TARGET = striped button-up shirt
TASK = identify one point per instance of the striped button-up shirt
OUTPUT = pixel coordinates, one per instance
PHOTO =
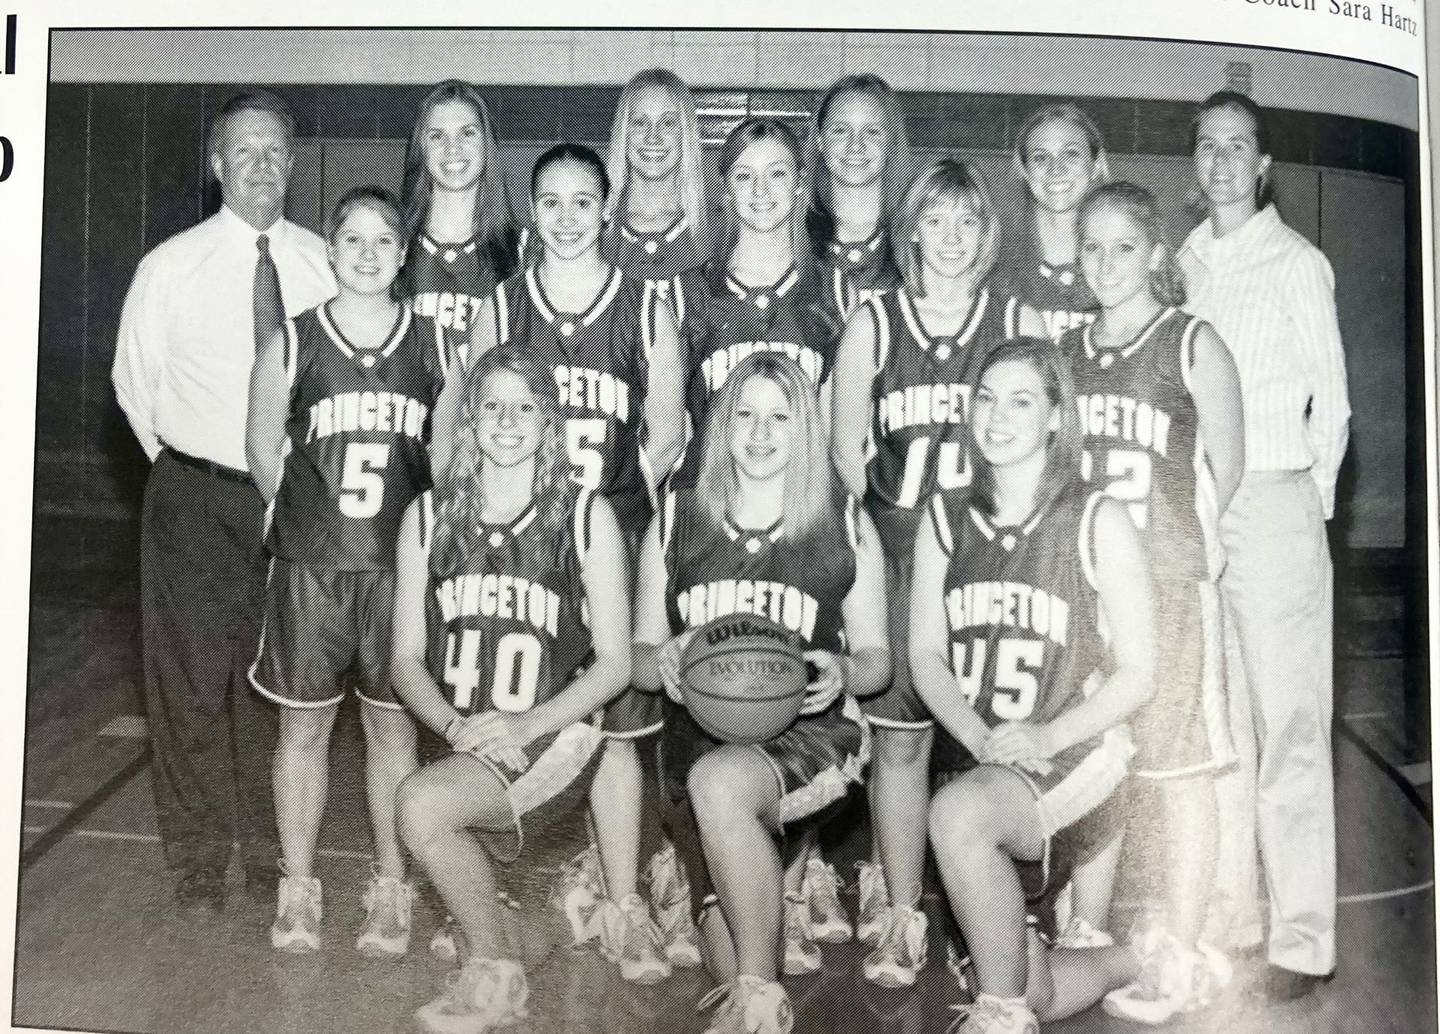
(1270, 294)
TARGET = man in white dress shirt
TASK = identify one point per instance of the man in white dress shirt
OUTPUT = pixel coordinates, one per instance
(187, 339)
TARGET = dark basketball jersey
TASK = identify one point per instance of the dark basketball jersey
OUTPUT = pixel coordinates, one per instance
(790, 317)
(920, 413)
(712, 571)
(602, 367)
(356, 440)
(850, 273)
(1142, 440)
(509, 630)
(1022, 610)
(673, 262)
(1058, 293)
(450, 282)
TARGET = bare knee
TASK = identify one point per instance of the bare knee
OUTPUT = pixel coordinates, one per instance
(902, 748)
(717, 784)
(962, 815)
(305, 729)
(387, 731)
(418, 810)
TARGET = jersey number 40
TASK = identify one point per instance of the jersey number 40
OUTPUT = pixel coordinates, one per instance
(516, 670)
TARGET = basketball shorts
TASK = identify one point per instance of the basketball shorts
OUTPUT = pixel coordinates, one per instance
(1070, 791)
(816, 762)
(634, 713)
(899, 706)
(548, 799)
(1183, 730)
(321, 625)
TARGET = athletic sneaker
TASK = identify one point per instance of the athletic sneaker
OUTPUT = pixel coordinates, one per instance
(900, 955)
(297, 915)
(482, 995)
(802, 954)
(749, 1005)
(1173, 979)
(874, 902)
(445, 942)
(1080, 934)
(670, 901)
(821, 887)
(631, 938)
(578, 895)
(386, 931)
(991, 1015)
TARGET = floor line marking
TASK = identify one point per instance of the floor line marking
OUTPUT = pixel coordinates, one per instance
(1365, 716)
(152, 838)
(1382, 895)
(40, 802)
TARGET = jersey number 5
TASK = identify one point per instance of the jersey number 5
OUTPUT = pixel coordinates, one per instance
(362, 485)
(584, 438)
(1015, 686)
(517, 670)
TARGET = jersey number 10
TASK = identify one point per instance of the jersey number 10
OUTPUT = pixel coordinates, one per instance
(517, 670)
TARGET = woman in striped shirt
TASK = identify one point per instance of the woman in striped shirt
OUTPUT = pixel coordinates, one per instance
(1270, 294)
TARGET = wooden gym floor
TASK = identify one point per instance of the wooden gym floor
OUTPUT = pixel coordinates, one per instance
(100, 948)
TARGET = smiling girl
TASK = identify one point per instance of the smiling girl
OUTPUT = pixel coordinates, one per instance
(1014, 576)
(339, 417)
(506, 694)
(459, 227)
(766, 509)
(1059, 155)
(1175, 464)
(902, 405)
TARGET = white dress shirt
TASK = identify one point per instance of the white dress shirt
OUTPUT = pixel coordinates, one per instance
(187, 337)
(1270, 294)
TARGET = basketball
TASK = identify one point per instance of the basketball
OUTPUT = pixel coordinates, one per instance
(743, 678)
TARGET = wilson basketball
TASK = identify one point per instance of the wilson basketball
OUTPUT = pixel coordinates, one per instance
(743, 678)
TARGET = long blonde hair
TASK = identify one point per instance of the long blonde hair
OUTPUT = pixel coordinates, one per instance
(691, 177)
(810, 482)
(459, 492)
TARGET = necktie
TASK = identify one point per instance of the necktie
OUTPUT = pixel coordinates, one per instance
(269, 309)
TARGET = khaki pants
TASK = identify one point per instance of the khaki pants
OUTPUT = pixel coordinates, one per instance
(1278, 587)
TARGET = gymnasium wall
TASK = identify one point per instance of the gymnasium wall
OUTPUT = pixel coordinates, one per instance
(125, 169)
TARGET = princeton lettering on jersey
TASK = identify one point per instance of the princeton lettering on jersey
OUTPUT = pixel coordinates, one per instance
(1010, 604)
(452, 311)
(716, 366)
(783, 604)
(594, 391)
(385, 411)
(1058, 321)
(922, 404)
(500, 596)
(1117, 416)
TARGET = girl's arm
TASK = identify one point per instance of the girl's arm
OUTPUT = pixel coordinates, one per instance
(656, 654)
(866, 669)
(410, 675)
(930, 644)
(265, 421)
(1215, 386)
(852, 382)
(665, 395)
(447, 405)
